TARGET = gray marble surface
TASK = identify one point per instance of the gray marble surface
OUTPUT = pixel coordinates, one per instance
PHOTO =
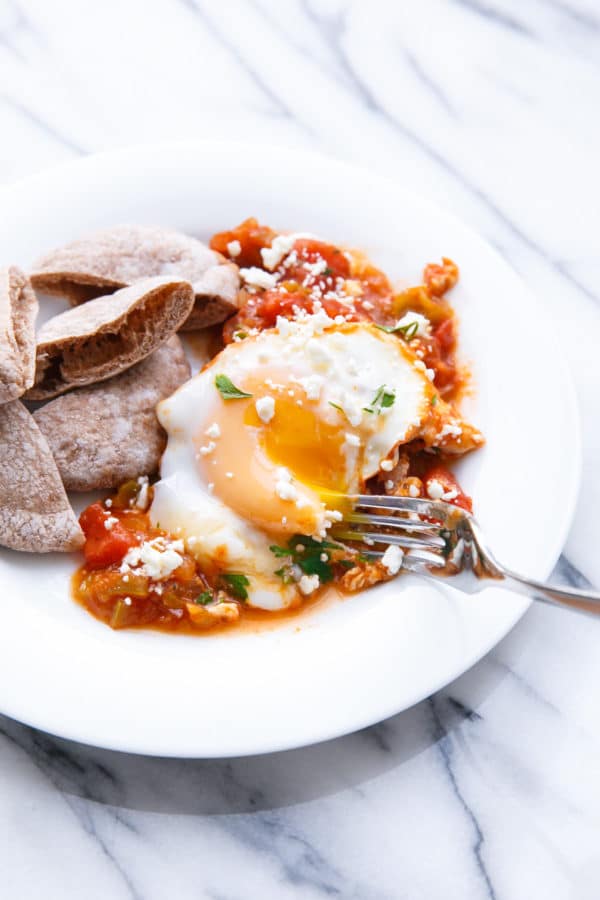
(491, 788)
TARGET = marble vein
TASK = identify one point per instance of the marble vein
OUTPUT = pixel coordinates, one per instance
(444, 745)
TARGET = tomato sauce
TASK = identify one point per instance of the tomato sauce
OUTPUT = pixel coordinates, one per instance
(350, 286)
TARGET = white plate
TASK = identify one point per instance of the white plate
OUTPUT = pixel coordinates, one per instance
(354, 662)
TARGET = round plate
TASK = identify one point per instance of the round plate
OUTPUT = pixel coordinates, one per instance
(355, 661)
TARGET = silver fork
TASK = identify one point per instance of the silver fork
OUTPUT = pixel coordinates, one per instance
(441, 540)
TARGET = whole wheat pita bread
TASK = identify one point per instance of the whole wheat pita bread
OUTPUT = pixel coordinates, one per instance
(120, 256)
(106, 434)
(18, 309)
(108, 335)
(35, 514)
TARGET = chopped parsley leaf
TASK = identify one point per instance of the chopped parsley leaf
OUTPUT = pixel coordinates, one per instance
(407, 331)
(204, 598)
(383, 399)
(434, 400)
(236, 584)
(227, 388)
(336, 406)
(279, 551)
(305, 552)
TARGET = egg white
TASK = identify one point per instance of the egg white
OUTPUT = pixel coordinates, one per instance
(322, 372)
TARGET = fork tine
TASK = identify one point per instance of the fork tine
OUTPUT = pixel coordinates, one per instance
(390, 521)
(414, 561)
(432, 508)
(425, 542)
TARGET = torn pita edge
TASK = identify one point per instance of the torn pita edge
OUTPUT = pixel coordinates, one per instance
(18, 311)
(106, 336)
(35, 513)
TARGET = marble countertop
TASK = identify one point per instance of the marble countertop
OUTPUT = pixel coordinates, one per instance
(491, 788)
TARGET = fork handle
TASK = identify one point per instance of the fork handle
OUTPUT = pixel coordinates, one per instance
(586, 601)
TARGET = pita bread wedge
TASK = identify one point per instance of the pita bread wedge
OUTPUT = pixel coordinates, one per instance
(35, 514)
(18, 309)
(108, 335)
(120, 256)
(106, 434)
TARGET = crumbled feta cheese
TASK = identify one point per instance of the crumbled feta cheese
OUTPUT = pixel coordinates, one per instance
(308, 584)
(207, 449)
(127, 601)
(108, 503)
(450, 495)
(228, 474)
(367, 305)
(284, 488)
(155, 559)
(392, 559)
(389, 485)
(420, 365)
(213, 431)
(430, 373)
(312, 385)
(352, 440)
(265, 407)
(234, 248)
(316, 268)
(258, 277)
(450, 429)
(410, 318)
(386, 465)
(109, 522)
(413, 490)
(435, 490)
(279, 249)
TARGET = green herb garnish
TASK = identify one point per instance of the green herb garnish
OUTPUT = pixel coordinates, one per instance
(279, 551)
(407, 331)
(305, 552)
(236, 584)
(240, 334)
(204, 598)
(227, 388)
(336, 406)
(383, 399)
(434, 400)
(327, 271)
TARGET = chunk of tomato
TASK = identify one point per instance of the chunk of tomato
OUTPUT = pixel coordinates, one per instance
(311, 251)
(104, 546)
(251, 236)
(449, 484)
(439, 279)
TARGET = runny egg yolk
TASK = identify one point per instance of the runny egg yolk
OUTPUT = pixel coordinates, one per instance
(252, 461)
(303, 443)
